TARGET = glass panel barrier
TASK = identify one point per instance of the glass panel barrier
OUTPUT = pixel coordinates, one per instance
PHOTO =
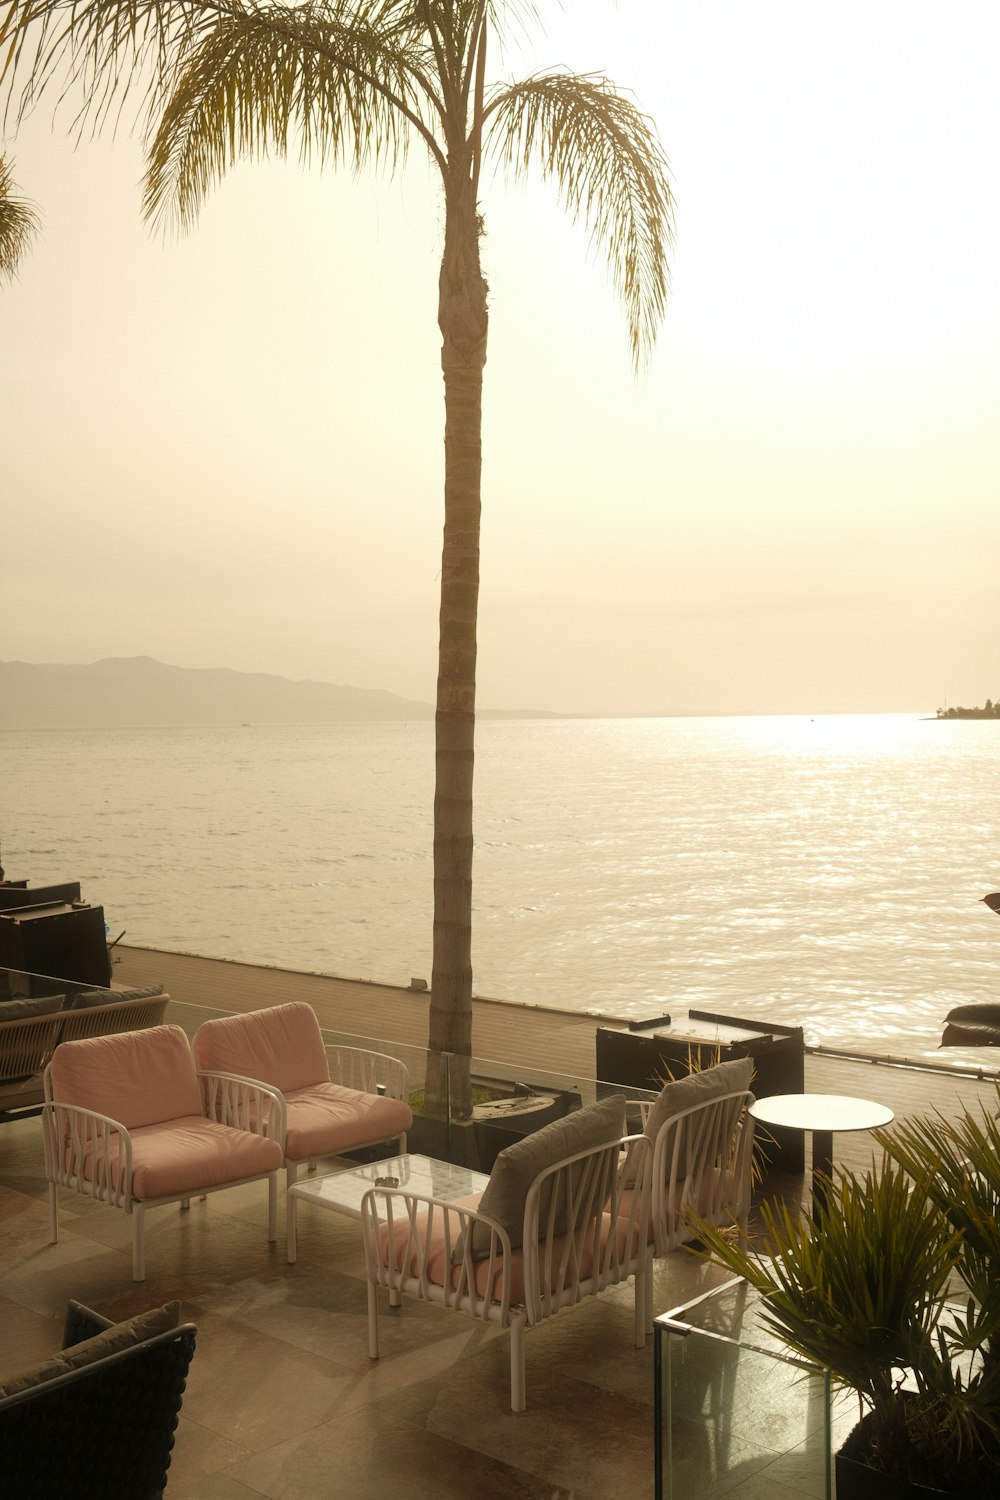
(735, 1413)
(509, 1102)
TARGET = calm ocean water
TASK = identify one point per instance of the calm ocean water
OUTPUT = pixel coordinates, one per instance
(824, 872)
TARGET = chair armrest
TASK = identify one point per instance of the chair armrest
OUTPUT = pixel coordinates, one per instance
(431, 1250)
(635, 1167)
(88, 1151)
(368, 1072)
(244, 1104)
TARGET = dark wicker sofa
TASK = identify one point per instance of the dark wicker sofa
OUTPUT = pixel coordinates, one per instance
(97, 1422)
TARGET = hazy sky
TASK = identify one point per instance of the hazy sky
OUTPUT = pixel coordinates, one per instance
(227, 450)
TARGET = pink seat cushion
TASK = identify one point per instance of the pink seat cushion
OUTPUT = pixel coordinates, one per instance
(679, 1200)
(281, 1046)
(326, 1117)
(136, 1077)
(625, 1208)
(190, 1155)
(438, 1265)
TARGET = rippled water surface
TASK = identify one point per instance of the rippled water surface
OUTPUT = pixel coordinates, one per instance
(824, 872)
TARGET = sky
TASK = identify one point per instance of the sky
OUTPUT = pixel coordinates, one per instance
(226, 450)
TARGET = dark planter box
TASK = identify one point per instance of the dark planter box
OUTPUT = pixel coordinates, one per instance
(856, 1480)
(477, 1143)
(643, 1057)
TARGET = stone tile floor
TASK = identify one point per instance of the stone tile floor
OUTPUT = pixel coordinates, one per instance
(282, 1398)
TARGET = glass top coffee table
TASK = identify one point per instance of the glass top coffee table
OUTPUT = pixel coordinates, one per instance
(823, 1114)
(342, 1192)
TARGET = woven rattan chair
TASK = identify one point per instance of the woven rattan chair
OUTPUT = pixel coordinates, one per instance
(103, 1431)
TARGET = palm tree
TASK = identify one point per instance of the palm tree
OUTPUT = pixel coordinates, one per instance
(18, 225)
(356, 82)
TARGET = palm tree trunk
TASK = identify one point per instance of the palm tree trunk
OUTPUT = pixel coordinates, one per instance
(462, 318)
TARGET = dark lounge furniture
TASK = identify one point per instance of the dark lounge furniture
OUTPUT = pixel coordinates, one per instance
(32, 1027)
(97, 1421)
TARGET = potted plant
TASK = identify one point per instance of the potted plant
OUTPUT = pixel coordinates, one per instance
(896, 1291)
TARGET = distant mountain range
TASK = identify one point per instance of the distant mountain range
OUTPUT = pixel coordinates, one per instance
(138, 692)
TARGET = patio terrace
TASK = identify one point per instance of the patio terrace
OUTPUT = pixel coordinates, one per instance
(282, 1399)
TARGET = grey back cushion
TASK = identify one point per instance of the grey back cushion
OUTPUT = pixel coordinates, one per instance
(83, 999)
(694, 1089)
(517, 1167)
(23, 1010)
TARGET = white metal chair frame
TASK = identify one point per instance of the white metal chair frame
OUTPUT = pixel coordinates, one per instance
(702, 1160)
(350, 1068)
(355, 1068)
(587, 1184)
(92, 1153)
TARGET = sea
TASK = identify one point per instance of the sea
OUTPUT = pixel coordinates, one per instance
(826, 872)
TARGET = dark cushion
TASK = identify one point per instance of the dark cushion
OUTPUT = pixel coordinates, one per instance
(83, 999)
(23, 1010)
(119, 1336)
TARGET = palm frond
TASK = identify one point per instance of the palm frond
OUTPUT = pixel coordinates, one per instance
(609, 169)
(18, 225)
(108, 52)
(863, 1293)
(287, 78)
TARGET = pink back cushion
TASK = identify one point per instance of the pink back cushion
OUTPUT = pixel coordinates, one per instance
(281, 1046)
(136, 1077)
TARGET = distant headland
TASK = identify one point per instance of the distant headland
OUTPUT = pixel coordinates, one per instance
(989, 710)
(137, 692)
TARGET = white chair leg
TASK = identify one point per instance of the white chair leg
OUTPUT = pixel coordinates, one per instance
(53, 1214)
(291, 1172)
(138, 1243)
(372, 1320)
(517, 1385)
(402, 1144)
(185, 1204)
(312, 1164)
(272, 1207)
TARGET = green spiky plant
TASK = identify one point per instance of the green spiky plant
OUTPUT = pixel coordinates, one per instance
(355, 83)
(869, 1293)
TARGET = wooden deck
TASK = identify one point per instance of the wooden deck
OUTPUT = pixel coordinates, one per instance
(524, 1036)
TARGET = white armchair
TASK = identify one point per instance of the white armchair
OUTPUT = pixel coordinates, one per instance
(574, 1233)
(124, 1122)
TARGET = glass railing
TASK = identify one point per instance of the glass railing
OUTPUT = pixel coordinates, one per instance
(733, 1408)
(508, 1102)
